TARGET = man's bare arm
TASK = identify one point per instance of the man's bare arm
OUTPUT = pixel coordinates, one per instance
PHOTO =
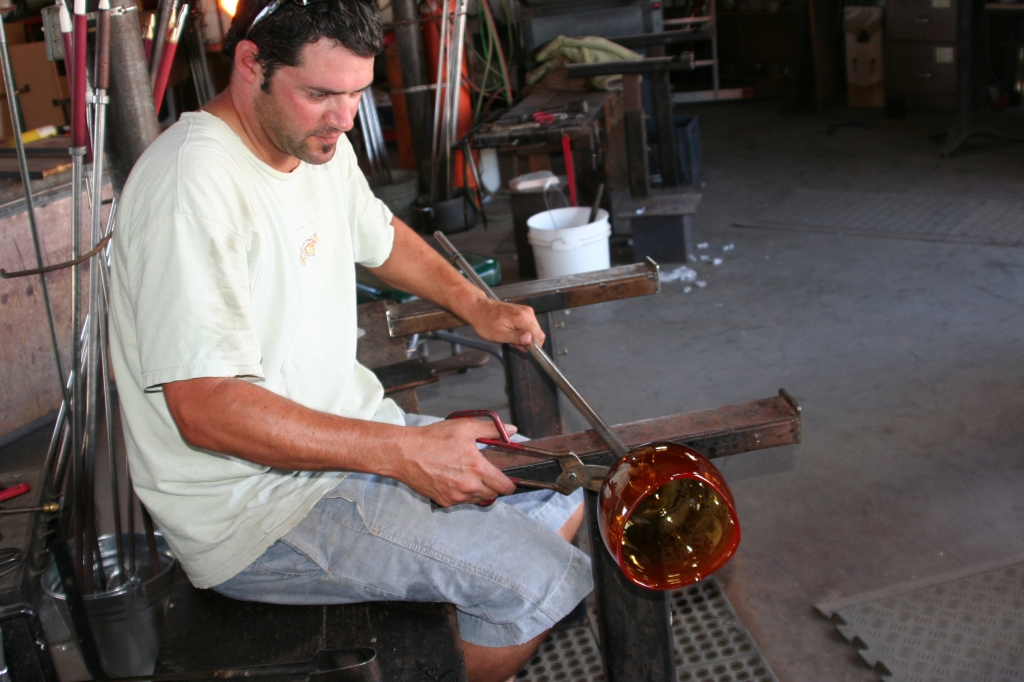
(235, 417)
(418, 269)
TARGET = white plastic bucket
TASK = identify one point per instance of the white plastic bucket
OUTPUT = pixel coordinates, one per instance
(564, 243)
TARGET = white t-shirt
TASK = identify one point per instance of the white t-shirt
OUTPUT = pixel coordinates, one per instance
(225, 267)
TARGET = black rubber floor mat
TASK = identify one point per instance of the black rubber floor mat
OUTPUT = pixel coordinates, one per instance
(711, 645)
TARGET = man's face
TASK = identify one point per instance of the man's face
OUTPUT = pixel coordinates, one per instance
(309, 106)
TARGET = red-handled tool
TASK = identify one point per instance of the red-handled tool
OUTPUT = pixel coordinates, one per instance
(547, 118)
(575, 474)
(14, 491)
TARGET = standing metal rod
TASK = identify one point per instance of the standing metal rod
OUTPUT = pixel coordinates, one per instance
(53, 465)
(63, 458)
(382, 148)
(56, 438)
(435, 153)
(79, 138)
(372, 123)
(115, 489)
(610, 438)
(77, 382)
(199, 64)
(370, 140)
(97, 270)
(454, 91)
(14, 104)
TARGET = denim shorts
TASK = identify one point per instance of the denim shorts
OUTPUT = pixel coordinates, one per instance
(371, 538)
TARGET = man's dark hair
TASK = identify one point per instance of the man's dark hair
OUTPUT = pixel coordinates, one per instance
(279, 36)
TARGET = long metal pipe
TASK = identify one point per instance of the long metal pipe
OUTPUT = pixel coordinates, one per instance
(53, 465)
(373, 151)
(610, 438)
(454, 91)
(199, 64)
(63, 455)
(439, 94)
(98, 378)
(77, 383)
(14, 105)
(383, 165)
(79, 137)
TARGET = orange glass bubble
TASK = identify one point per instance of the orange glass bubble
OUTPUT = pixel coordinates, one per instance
(667, 516)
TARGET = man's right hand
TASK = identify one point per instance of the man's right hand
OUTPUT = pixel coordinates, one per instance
(442, 462)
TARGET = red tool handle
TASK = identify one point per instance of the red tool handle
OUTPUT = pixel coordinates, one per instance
(164, 74)
(504, 442)
(570, 168)
(14, 491)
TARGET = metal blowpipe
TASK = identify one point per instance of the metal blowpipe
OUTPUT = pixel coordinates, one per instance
(609, 437)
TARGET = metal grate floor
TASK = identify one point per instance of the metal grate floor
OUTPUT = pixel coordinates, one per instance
(710, 642)
(901, 216)
(966, 626)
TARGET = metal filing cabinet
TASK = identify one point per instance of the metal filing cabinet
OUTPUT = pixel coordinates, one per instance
(922, 53)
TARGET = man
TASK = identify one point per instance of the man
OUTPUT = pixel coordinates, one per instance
(234, 334)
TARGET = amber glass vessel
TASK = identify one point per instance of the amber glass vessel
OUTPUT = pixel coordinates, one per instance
(667, 516)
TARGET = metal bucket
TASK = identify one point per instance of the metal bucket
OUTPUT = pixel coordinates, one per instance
(126, 622)
(450, 216)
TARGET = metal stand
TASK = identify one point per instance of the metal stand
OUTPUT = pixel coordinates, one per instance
(633, 623)
(963, 128)
(657, 68)
(532, 395)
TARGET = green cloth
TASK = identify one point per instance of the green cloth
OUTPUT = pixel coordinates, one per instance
(584, 50)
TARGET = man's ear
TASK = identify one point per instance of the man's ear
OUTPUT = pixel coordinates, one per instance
(246, 64)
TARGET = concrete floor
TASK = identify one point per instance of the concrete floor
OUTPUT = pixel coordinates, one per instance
(905, 355)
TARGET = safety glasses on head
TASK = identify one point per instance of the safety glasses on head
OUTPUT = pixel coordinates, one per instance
(275, 5)
(269, 9)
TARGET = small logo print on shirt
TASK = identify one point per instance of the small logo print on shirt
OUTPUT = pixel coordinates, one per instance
(308, 250)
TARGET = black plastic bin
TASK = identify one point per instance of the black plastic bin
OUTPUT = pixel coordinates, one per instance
(687, 149)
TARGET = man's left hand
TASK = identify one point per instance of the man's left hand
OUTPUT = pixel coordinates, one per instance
(502, 322)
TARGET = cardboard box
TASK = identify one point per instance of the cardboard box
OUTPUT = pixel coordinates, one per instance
(33, 71)
(865, 78)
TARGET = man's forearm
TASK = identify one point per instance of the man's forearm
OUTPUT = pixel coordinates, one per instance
(235, 417)
(415, 267)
